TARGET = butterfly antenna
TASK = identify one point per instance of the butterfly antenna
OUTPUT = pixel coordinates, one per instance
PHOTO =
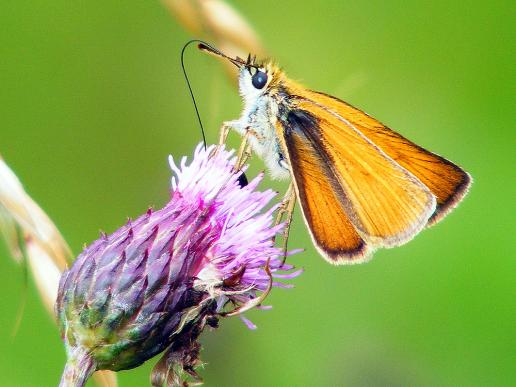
(190, 87)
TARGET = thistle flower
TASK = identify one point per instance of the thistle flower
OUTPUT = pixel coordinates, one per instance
(156, 282)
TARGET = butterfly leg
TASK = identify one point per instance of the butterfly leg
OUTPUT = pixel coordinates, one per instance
(244, 152)
(286, 208)
(286, 231)
(224, 131)
(223, 135)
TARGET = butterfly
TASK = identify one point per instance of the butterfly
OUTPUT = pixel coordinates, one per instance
(360, 185)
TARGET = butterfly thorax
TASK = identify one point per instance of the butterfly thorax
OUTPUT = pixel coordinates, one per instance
(258, 122)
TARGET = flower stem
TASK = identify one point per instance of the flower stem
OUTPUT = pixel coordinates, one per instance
(78, 368)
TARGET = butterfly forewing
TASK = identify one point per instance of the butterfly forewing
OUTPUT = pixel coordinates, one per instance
(385, 203)
(448, 182)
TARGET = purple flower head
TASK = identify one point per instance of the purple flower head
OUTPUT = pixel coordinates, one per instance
(156, 282)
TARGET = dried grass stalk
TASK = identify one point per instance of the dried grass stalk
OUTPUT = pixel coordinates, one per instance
(220, 24)
(18, 209)
(30, 233)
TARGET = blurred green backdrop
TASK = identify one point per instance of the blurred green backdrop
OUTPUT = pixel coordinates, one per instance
(92, 101)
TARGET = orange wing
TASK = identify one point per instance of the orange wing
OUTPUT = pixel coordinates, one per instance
(448, 182)
(386, 205)
(319, 194)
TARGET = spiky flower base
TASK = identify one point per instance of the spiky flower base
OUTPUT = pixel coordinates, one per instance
(155, 283)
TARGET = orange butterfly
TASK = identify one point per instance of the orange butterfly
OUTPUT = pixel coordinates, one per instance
(361, 185)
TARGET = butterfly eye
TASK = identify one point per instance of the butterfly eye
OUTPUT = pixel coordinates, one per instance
(259, 79)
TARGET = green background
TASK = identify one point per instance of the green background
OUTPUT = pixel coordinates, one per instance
(92, 101)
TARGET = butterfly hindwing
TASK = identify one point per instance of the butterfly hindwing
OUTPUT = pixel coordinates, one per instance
(319, 195)
(386, 204)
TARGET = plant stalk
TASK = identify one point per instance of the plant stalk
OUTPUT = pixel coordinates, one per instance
(78, 368)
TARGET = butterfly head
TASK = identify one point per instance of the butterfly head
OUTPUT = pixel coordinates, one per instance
(256, 78)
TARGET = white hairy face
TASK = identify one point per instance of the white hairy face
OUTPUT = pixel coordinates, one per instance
(248, 90)
(258, 119)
